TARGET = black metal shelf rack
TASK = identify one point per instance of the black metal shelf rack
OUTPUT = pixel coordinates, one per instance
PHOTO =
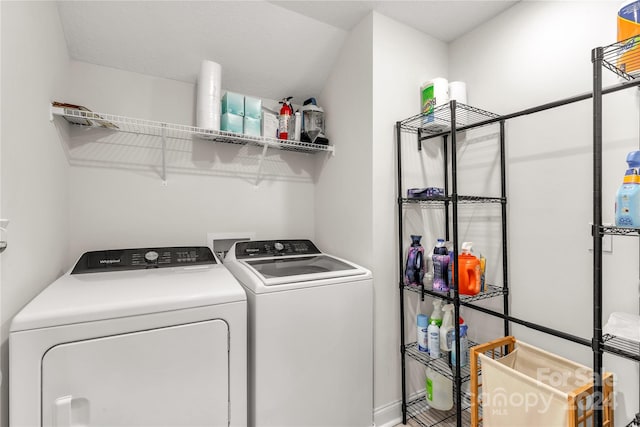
(623, 59)
(445, 122)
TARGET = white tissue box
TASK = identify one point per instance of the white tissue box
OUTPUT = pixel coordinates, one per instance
(251, 126)
(269, 123)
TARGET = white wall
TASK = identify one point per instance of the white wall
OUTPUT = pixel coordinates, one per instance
(117, 198)
(343, 191)
(34, 185)
(533, 53)
(403, 59)
(113, 195)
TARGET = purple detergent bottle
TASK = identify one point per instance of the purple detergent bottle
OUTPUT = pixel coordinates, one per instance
(414, 271)
(440, 267)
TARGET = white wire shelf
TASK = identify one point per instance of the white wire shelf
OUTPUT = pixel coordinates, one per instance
(177, 131)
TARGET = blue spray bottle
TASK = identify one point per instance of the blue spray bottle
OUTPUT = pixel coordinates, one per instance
(628, 195)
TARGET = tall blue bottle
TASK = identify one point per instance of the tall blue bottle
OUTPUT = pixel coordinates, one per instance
(628, 195)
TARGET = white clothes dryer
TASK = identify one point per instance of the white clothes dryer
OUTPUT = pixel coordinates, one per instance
(132, 337)
(310, 335)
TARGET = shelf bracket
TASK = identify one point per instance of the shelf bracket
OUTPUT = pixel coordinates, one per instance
(264, 153)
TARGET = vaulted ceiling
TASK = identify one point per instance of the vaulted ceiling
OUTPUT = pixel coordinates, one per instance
(269, 49)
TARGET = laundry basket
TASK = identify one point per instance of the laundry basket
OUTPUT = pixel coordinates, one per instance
(522, 385)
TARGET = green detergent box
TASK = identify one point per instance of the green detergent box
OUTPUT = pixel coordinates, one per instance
(233, 103)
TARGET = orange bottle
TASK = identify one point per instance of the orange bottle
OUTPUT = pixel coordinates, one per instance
(469, 271)
(629, 31)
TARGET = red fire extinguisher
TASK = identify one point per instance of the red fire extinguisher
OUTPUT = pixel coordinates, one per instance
(285, 115)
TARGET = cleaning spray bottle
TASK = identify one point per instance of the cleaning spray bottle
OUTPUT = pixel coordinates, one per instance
(628, 195)
(437, 312)
(414, 270)
(433, 340)
(440, 265)
(464, 347)
(447, 328)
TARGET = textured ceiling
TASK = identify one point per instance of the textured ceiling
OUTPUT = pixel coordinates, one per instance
(267, 49)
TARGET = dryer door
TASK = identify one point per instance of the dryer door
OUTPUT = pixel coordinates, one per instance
(174, 376)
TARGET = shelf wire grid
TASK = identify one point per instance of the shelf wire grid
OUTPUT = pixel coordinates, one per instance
(440, 119)
(176, 131)
(620, 231)
(622, 347)
(490, 291)
(439, 364)
(419, 412)
(438, 201)
(623, 58)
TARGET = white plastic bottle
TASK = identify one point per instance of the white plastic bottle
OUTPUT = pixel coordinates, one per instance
(437, 312)
(439, 391)
(464, 348)
(422, 326)
(446, 328)
(433, 333)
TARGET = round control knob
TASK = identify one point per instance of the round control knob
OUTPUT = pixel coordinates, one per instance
(151, 256)
(279, 246)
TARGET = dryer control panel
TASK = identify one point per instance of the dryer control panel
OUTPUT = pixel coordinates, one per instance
(142, 258)
(270, 248)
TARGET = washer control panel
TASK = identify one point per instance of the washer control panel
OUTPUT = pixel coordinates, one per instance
(142, 258)
(270, 248)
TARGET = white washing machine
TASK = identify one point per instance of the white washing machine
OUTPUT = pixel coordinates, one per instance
(132, 337)
(310, 335)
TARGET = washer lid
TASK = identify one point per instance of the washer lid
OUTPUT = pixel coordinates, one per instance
(81, 298)
(301, 268)
(288, 263)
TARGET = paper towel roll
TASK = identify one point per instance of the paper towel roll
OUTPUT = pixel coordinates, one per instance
(458, 91)
(208, 95)
(441, 90)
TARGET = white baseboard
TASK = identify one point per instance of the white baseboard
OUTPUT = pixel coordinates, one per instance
(388, 415)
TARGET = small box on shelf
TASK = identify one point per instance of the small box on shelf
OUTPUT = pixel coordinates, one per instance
(231, 123)
(251, 126)
(252, 107)
(233, 103)
(269, 123)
